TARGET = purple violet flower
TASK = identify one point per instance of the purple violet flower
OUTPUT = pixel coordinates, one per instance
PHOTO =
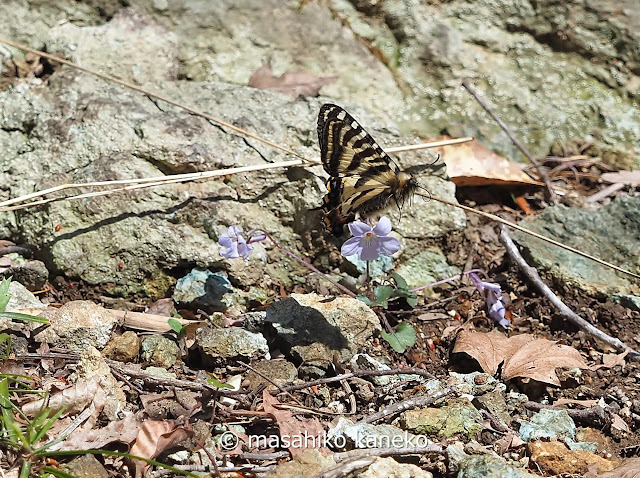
(495, 301)
(369, 242)
(233, 244)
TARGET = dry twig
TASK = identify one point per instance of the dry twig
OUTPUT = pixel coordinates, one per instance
(551, 194)
(532, 275)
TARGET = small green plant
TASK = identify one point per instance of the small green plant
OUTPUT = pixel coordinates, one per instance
(403, 338)
(217, 383)
(176, 326)
(22, 440)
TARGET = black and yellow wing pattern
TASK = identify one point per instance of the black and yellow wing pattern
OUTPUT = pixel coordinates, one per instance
(363, 178)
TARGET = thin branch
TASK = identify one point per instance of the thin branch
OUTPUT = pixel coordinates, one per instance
(408, 404)
(493, 217)
(427, 145)
(533, 276)
(552, 195)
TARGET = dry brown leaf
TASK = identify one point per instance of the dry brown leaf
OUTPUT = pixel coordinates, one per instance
(161, 307)
(154, 437)
(121, 431)
(611, 360)
(73, 399)
(294, 83)
(294, 429)
(471, 164)
(521, 355)
(489, 349)
(627, 177)
(539, 359)
(629, 469)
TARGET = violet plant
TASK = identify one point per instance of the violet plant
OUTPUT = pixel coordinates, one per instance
(368, 243)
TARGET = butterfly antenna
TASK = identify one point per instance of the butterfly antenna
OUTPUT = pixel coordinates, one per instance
(436, 160)
(425, 190)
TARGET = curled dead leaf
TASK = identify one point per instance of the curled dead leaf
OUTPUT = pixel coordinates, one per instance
(472, 164)
(154, 437)
(521, 355)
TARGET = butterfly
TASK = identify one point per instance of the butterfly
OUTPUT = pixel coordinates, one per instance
(363, 179)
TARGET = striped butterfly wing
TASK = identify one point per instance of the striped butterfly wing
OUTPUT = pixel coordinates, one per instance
(363, 178)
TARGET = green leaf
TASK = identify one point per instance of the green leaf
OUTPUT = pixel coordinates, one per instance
(400, 282)
(403, 338)
(217, 383)
(4, 293)
(5, 346)
(24, 317)
(175, 325)
(366, 300)
(412, 301)
(382, 294)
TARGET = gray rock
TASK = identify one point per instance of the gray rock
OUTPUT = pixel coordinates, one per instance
(278, 371)
(627, 300)
(315, 328)
(160, 351)
(203, 289)
(86, 465)
(21, 298)
(548, 423)
(32, 274)
(123, 348)
(609, 233)
(131, 46)
(78, 325)
(218, 346)
(458, 416)
(80, 129)
(490, 467)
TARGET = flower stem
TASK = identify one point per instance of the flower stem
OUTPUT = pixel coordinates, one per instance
(444, 281)
(302, 261)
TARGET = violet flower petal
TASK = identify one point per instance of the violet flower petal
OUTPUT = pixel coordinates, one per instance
(370, 247)
(234, 231)
(359, 228)
(383, 228)
(476, 281)
(388, 245)
(351, 247)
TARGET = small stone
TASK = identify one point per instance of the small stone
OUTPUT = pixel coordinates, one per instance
(490, 467)
(160, 351)
(555, 458)
(21, 298)
(388, 467)
(308, 463)
(203, 289)
(78, 325)
(279, 371)
(33, 274)
(217, 345)
(86, 466)
(459, 416)
(494, 403)
(321, 328)
(627, 300)
(548, 423)
(123, 348)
